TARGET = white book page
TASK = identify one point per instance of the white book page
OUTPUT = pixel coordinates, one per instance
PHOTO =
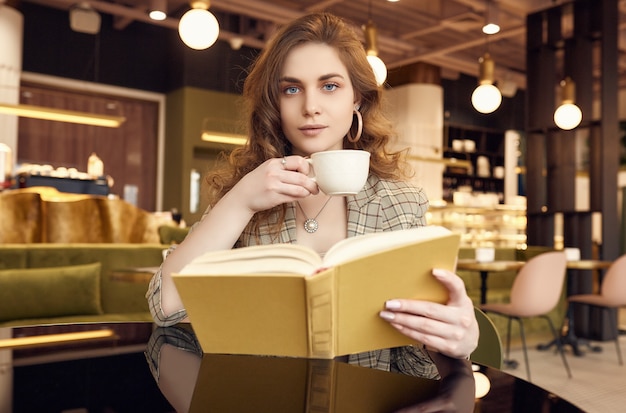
(275, 258)
(363, 245)
(293, 258)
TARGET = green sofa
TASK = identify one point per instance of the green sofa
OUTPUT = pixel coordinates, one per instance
(72, 282)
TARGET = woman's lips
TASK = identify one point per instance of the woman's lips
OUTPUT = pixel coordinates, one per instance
(312, 130)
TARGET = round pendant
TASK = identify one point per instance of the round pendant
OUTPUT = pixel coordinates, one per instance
(310, 225)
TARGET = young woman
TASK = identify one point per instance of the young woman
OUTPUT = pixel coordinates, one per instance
(310, 90)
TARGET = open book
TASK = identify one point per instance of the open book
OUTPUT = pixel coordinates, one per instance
(286, 300)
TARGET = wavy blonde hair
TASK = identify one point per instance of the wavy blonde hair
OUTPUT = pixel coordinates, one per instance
(261, 95)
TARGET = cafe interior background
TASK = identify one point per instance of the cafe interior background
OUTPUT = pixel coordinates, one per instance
(504, 176)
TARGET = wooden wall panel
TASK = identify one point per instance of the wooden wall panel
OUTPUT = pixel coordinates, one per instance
(129, 153)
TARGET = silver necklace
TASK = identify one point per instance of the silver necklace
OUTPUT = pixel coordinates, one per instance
(310, 224)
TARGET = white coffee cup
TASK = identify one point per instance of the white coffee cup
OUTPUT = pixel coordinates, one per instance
(485, 254)
(341, 172)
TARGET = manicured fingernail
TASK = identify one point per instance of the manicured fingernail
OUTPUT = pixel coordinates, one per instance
(437, 272)
(387, 315)
(392, 304)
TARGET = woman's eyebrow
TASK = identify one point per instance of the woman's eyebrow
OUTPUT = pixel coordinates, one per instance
(323, 77)
(289, 79)
(330, 76)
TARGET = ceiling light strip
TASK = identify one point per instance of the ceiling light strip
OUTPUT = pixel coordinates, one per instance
(227, 138)
(62, 115)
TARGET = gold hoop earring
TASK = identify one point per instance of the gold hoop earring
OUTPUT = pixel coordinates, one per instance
(359, 127)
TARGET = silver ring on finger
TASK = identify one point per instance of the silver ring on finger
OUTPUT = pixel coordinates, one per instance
(284, 162)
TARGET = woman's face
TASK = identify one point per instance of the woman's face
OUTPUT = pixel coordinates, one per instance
(317, 99)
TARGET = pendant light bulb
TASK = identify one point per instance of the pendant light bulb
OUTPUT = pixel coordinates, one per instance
(198, 28)
(158, 10)
(486, 98)
(492, 25)
(371, 49)
(568, 116)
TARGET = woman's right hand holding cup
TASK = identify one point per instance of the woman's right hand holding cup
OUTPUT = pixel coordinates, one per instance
(275, 182)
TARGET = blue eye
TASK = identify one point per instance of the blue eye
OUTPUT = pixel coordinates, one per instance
(291, 90)
(330, 87)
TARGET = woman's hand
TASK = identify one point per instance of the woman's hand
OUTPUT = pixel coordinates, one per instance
(275, 182)
(449, 329)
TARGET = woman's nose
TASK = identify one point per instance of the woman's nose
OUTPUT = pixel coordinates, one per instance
(311, 106)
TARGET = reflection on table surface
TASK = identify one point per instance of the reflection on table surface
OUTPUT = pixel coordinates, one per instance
(116, 377)
(197, 382)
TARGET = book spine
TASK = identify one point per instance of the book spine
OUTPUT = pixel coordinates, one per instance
(321, 314)
(321, 386)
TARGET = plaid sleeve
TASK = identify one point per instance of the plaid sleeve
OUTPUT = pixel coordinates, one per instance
(153, 295)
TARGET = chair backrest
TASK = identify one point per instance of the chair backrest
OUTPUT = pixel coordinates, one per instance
(538, 285)
(489, 349)
(614, 282)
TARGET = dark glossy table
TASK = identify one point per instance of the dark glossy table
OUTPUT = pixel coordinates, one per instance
(146, 369)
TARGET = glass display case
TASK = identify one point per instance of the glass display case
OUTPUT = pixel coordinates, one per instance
(498, 226)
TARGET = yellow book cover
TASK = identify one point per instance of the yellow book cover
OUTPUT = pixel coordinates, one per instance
(286, 300)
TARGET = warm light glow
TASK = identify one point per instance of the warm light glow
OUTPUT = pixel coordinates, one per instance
(379, 68)
(227, 138)
(157, 15)
(158, 9)
(482, 383)
(491, 28)
(568, 116)
(486, 98)
(371, 48)
(198, 28)
(492, 18)
(62, 115)
(55, 339)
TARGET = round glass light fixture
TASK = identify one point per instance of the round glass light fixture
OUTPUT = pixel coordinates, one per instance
(568, 116)
(371, 48)
(379, 68)
(198, 28)
(486, 98)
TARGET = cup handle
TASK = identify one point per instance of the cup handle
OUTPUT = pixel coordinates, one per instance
(310, 161)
